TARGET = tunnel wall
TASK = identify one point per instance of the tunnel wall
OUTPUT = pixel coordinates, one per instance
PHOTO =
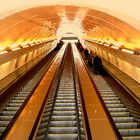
(12, 70)
(128, 63)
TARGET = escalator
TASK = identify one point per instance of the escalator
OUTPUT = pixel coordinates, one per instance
(18, 95)
(62, 115)
(115, 101)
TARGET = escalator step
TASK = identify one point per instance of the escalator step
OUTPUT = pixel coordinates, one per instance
(10, 108)
(64, 108)
(16, 104)
(127, 125)
(62, 130)
(19, 98)
(66, 94)
(114, 105)
(7, 113)
(4, 123)
(113, 101)
(5, 118)
(117, 109)
(131, 138)
(63, 118)
(110, 98)
(15, 101)
(120, 114)
(129, 132)
(65, 101)
(63, 123)
(63, 98)
(64, 104)
(41, 131)
(123, 119)
(62, 137)
(43, 125)
(2, 129)
(108, 95)
(59, 113)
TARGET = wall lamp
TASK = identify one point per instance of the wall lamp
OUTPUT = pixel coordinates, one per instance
(3, 52)
(106, 44)
(115, 47)
(128, 51)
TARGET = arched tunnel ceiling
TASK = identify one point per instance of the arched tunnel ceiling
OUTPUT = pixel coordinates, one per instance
(31, 22)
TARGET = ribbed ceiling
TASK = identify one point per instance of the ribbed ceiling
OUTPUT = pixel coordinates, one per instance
(41, 23)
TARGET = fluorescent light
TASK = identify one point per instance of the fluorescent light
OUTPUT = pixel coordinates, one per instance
(115, 47)
(14, 49)
(25, 46)
(3, 52)
(127, 51)
(107, 45)
(32, 44)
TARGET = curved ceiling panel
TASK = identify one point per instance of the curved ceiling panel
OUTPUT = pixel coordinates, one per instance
(45, 22)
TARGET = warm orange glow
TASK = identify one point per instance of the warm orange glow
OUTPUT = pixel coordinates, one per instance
(52, 22)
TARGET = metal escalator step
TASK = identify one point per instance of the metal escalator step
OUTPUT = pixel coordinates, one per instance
(19, 98)
(40, 137)
(106, 91)
(64, 108)
(62, 130)
(66, 94)
(42, 131)
(22, 95)
(65, 101)
(117, 109)
(63, 123)
(83, 137)
(15, 101)
(63, 97)
(2, 129)
(62, 137)
(64, 104)
(110, 98)
(65, 91)
(59, 113)
(63, 118)
(47, 109)
(120, 114)
(4, 123)
(112, 101)
(130, 132)
(7, 113)
(123, 119)
(127, 125)
(43, 125)
(5, 118)
(46, 114)
(108, 95)
(44, 119)
(114, 105)
(10, 108)
(16, 104)
(131, 138)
